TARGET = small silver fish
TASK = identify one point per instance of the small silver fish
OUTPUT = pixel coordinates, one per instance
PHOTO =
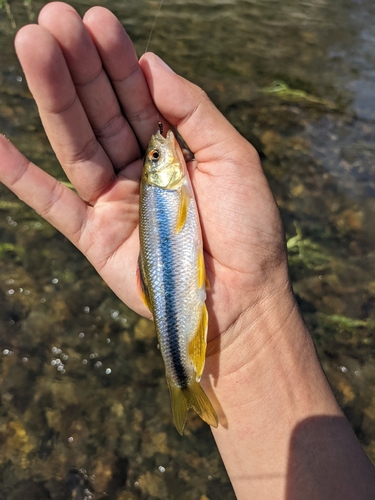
(172, 275)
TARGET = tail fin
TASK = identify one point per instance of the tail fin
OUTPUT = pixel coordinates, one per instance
(194, 397)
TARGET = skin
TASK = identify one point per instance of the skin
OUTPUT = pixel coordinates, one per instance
(281, 433)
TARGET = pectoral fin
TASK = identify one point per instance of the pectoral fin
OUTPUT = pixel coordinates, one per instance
(184, 196)
(197, 345)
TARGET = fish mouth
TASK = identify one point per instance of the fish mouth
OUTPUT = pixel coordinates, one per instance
(176, 142)
(169, 142)
(169, 139)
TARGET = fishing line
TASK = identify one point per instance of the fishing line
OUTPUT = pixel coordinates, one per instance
(160, 125)
(153, 25)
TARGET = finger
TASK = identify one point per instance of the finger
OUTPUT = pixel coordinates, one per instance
(121, 63)
(91, 82)
(64, 119)
(206, 131)
(55, 202)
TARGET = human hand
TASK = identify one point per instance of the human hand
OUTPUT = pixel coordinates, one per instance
(99, 107)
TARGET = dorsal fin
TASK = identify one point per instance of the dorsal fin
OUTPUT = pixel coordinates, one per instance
(184, 198)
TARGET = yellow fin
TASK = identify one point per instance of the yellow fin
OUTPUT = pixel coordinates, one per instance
(197, 345)
(185, 197)
(198, 400)
(201, 269)
(142, 286)
(194, 397)
(202, 276)
(179, 406)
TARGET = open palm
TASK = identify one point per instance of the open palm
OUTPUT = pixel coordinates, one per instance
(99, 107)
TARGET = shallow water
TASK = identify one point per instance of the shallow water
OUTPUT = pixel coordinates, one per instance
(85, 408)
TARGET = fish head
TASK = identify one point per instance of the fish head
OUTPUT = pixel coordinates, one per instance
(164, 165)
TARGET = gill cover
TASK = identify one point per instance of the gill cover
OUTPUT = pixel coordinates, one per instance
(164, 164)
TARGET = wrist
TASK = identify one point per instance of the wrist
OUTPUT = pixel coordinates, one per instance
(280, 427)
(272, 317)
(268, 356)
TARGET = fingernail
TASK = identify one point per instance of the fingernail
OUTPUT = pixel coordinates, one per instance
(162, 63)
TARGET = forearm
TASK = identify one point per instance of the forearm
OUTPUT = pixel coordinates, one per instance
(282, 433)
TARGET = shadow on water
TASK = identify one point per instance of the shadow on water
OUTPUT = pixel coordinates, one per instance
(84, 404)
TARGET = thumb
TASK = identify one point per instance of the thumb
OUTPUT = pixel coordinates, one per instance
(186, 106)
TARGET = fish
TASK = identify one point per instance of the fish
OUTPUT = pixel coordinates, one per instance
(172, 277)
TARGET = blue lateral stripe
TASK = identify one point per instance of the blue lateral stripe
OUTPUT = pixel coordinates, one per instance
(165, 231)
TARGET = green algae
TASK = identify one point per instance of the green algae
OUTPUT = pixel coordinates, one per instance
(282, 89)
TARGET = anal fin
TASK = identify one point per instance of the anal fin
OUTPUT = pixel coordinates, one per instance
(197, 345)
(201, 268)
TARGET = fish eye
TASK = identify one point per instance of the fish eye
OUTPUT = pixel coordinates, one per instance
(154, 155)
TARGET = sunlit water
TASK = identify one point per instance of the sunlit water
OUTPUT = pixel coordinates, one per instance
(84, 404)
